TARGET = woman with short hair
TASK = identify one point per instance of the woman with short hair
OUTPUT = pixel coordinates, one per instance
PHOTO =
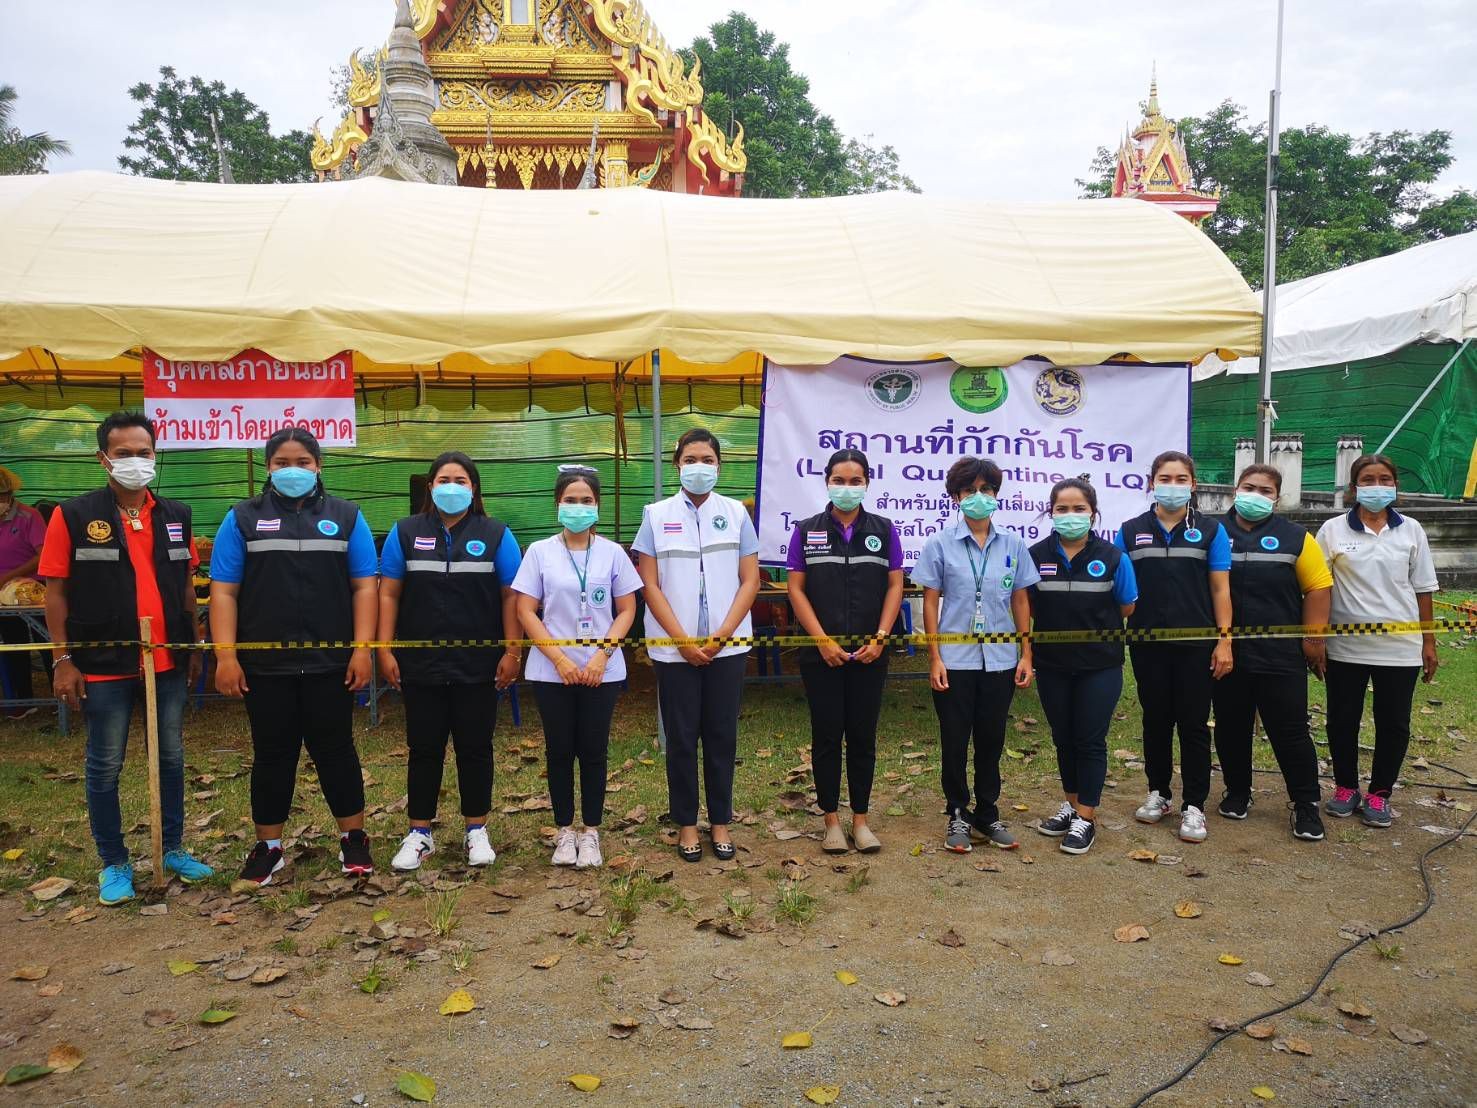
(1382, 573)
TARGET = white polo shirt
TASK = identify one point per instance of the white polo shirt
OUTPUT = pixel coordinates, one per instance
(1376, 577)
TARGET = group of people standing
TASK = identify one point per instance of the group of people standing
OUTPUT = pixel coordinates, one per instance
(294, 568)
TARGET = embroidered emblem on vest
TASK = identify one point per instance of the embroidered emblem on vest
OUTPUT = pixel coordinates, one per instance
(176, 531)
(425, 542)
(1270, 543)
(268, 525)
(1193, 535)
(1096, 568)
(1144, 538)
(597, 597)
(328, 527)
(720, 523)
(476, 548)
(99, 530)
(873, 543)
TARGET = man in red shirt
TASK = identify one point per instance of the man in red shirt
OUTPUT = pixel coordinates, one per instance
(112, 557)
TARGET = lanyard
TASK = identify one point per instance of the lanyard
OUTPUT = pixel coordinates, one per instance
(979, 573)
(582, 576)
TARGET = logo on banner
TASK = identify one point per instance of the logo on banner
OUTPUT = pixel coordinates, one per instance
(328, 527)
(895, 389)
(176, 531)
(476, 548)
(1060, 391)
(873, 543)
(979, 390)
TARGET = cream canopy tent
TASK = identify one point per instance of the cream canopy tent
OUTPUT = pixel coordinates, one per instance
(413, 278)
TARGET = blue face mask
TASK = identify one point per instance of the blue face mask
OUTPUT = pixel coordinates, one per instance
(847, 498)
(451, 498)
(1173, 497)
(699, 478)
(979, 505)
(579, 518)
(294, 482)
(1253, 506)
(1072, 526)
(1375, 498)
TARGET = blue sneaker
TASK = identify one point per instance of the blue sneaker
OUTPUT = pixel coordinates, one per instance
(115, 885)
(187, 869)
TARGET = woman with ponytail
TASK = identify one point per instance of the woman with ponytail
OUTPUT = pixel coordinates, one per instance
(295, 565)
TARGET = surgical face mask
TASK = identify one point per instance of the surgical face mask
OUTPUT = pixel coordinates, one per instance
(1253, 506)
(133, 473)
(451, 498)
(1072, 526)
(847, 498)
(294, 482)
(1173, 497)
(579, 518)
(979, 505)
(1375, 498)
(699, 478)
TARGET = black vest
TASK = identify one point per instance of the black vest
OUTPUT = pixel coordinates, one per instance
(1265, 590)
(449, 594)
(296, 584)
(102, 592)
(846, 582)
(1173, 577)
(1076, 596)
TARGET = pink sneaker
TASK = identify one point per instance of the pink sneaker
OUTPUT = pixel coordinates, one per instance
(1344, 802)
(1376, 811)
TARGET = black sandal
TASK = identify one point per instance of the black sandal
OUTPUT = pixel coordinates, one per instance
(723, 851)
(692, 853)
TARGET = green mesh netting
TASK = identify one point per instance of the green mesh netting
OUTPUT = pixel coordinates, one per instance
(518, 435)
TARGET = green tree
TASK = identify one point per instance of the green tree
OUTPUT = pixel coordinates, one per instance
(1341, 199)
(174, 135)
(19, 152)
(794, 149)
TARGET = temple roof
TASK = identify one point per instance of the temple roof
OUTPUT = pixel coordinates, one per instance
(1153, 165)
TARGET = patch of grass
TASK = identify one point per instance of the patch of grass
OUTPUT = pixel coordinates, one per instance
(1311, 1018)
(373, 980)
(1353, 835)
(676, 901)
(441, 913)
(1388, 952)
(740, 907)
(773, 873)
(628, 894)
(286, 945)
(331, 943)
(615, 927)
(287, 900)
(795, 904)
(859, 880)
(461, 960)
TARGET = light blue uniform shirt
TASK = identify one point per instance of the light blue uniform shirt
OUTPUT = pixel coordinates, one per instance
(945, 565)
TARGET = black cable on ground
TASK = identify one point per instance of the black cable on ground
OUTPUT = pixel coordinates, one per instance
(1430, 899)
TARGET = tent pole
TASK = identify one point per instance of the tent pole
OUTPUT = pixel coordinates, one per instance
(1460, 350)
(656, 424)
(1266, 414)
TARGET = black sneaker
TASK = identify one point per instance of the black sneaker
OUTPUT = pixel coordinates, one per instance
(1059, 824)
(1079, 838)
(353, 852)
(1234, 805)
(261, 863)
(1306, 822)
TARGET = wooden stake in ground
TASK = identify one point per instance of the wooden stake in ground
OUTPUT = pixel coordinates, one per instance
(151, 725)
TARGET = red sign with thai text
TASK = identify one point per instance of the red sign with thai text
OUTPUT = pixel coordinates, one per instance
(246, 400)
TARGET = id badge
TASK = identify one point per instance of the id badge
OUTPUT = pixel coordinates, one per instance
(979, 624)
(586, 628)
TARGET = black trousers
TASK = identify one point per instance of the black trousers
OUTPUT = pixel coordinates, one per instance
(1281, 699)
(976, 706)
(19, 664)
(468, 715)
(845, 702)
(287, 712)
(1079, 708)
(576, 729)
(1394, 689)
(701, 704)
(1175, 686)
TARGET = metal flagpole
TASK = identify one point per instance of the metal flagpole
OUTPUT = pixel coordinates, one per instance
(1266, 414)
(656, 481)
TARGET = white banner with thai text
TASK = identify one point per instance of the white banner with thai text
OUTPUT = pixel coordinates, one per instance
(1038, 422)
(248, 399)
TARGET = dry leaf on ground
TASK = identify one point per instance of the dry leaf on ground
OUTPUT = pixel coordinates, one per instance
(1355, 1008)
(846, 977)
(1262, 1030)
(1131, 933)
(585, 1082)
(547, 963)
(1142, 855)
(51, 990)
(458, 1003)
(29, 973)
(64, 1058)
(1262, 1092)
(823, 1094)
(672, 996)
(1057, 958)
(1260, 980)
(1408, 1035)
(1291, 1045)
(951, 938)
(50, 888)
(268, 975)
(623, 1027)
(179, 969)
(694, 1023)
(1231, 960)
(797, 1040)
(1188, 909)
(891, 997)
(159, 1017)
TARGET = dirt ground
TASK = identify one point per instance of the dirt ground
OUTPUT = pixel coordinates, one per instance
(1016, 990)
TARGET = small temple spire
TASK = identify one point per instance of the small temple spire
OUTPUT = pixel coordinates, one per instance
(587, 181)
(1153, 105)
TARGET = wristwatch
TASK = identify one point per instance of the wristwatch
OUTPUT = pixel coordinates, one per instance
(58, 661)
(609, 651)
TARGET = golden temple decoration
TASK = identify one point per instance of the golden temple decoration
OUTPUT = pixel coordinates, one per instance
(708, 140)
(425, 13)
(328, 155)
(524, 96)
(365, 88)
(644, 178)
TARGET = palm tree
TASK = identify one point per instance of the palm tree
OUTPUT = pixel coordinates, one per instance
(21, 153)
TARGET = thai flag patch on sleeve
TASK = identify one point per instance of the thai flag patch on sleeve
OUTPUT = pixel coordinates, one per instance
(1047, 569)
(269, 525)
(1142, 539)
(425, 544)
(672, 528)
(176, 531)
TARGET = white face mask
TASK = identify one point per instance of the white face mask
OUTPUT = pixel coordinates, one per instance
(133, 473)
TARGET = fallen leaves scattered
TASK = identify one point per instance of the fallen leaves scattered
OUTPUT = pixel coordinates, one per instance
(951, 938)
(1188, 909)
(1231, 960)
(50, 888)
(268, 976)
(823, 1094)
(846, 977)
(1131, 933)
(458, 1003)
(417, 1086)
(51, 990)
(1292, 1045)
(1408, 1035)
(893, 998)
(547, 963)
(64, 1058)
(585, 1082)
(1262, 1030)
(1355, 1008)
(797, 1040)
(179, 969)
(29, 973)
(1142, 855)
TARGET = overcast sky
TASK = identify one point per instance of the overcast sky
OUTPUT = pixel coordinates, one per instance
(983, 98)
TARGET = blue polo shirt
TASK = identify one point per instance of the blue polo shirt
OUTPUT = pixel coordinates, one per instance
(946, 565)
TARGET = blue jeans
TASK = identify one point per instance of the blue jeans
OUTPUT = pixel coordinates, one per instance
(109, 709)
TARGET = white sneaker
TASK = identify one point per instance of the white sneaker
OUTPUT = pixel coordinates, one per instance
(414, 849)
(1192, 825)
(1154, 809)
(565, 851)
(588, 850)
(479, 850)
